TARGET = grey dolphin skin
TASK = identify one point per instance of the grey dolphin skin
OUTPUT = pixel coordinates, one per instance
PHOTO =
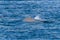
(29, 19)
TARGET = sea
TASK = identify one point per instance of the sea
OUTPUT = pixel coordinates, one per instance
(13, 12)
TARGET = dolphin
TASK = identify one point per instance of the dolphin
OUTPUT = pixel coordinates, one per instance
(37, 19)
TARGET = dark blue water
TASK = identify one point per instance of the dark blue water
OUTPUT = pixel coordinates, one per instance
(13, 12)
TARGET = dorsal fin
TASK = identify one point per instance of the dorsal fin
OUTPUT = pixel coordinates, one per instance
(37, 18)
